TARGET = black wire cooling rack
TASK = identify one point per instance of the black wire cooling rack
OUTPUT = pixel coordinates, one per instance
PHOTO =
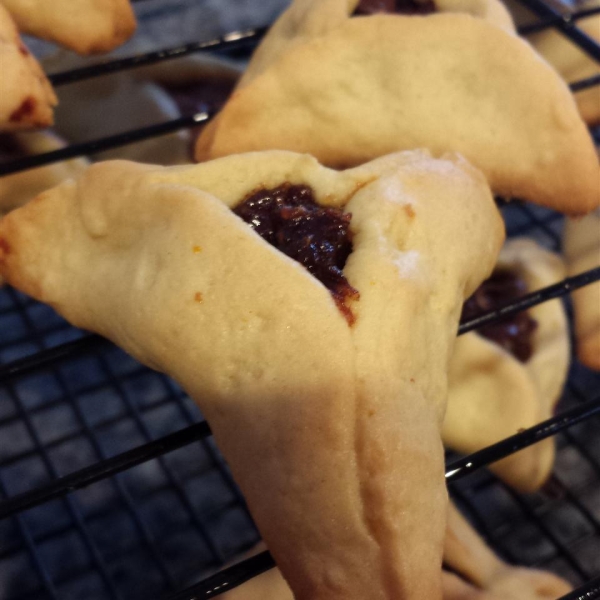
(112, 487)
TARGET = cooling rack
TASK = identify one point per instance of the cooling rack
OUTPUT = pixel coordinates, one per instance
(112, 487)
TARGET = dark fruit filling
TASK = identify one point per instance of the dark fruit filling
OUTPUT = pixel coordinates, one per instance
(403, 7)
(514, 333)
(318, 237)
(198, 97)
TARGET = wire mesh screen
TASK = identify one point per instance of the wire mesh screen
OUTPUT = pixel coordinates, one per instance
(168, 522)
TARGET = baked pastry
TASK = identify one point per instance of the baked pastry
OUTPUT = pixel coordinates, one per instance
(326, 401)
(305, 20)
(581, 243)
(19, 188)
(483, 576)
(473, 572)
(568, 58)
(86, 26)
(509, 376)
(27, 98)
(382, 83)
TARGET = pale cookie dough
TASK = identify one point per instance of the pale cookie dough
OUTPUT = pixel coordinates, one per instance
(581, 243)
(493, 395)
(382, 83)
(26, 96)
(17, 189)
(86, 26)
(315, 417)
(483, 576)
(305, 20)
(573, 64)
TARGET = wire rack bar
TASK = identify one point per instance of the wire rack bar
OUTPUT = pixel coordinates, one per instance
(46, 358)
(236, 39)
(121, 462)
(524, 302)
(565, 25)
(103, 469)
(227, 579)
(30, 546)
(106, 143)
(548, 22)
(229, 41)
(584, 84)
(589, 591)
(464, 466)
(236, 575)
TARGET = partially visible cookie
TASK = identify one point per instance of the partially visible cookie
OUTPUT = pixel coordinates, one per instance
(484, 576)
(378, 84)
(581, 244)
(142, 97)
(85, 26)
(19, 188)
(511, 379)
(567, 57)
(573, 64)
(26, 96)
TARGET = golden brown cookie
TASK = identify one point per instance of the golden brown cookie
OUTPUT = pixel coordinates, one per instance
(483, 576)
(315, 415)
(86, 26)
(494, 394)
(581, 243)
(378, 84)
(26, 97)
(19, 188)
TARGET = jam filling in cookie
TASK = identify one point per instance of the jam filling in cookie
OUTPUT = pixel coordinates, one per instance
(403, 7)
(318, 237)
(514, 333)
(200, 96)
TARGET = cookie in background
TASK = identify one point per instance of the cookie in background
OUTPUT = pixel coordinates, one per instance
(85, 26)
(581, 244)
(141, 97)
(508, 376)
(26, 98)
(356, 87)
(19, 188)
(566, 57)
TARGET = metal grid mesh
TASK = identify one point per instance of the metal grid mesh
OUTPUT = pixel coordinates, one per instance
(163, 525)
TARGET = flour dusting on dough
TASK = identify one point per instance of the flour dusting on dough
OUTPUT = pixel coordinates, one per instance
(407, 263)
